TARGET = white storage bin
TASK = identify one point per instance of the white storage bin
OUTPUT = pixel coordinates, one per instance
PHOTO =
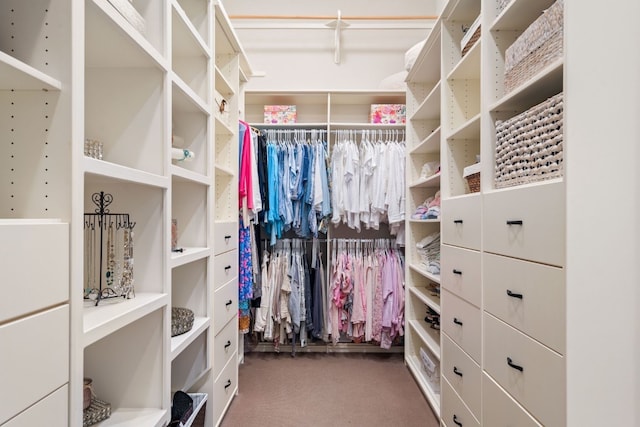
(432, 368)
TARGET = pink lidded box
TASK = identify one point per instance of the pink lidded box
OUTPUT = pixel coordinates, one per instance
(389, 114)
(280, 114)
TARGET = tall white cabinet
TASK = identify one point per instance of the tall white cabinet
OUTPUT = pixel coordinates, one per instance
(81, 70)
(519, 266)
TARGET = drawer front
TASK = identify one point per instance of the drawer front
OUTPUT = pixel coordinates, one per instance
(52, 411)
(527, 223)
(528, 296)
(225, 303)
(500, 410)
(32, 338)
(225, 344)
(463, 374)
(225, 236)
(20, 279)
(462, 323)
(225, 388)
(461, 221)
(225, 268)
(453, 411)
(540, 385)
(460, 273)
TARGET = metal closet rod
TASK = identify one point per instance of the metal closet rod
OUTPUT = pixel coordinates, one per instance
(345, 18)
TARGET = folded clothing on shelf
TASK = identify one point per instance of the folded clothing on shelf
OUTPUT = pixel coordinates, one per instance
(430, 209)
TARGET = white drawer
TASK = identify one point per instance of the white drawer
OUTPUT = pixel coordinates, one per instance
(224, 345)
(453, 411)
(225, 305)
(528, 296)
(500, 410)
(462, 323)
(527, 223)
(527, 370)
(52, 411)
(461, 221)
(224, 388)
(460, 273)
(37, 362)
(35, 267)
(225, 236)
(225, 268)
(463, 374)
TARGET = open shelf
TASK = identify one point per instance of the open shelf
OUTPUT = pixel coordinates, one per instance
(429, 109)
(424, 295)
(433, 277)
(188, 255)
(432, 181)
(427, 65)
(518, 14)
(428, 336)
(429, 145)
(469, 66)
(19, 76)
(222, 84)
(433, 398)
(180, 342)
(114, 172)
(467, 130)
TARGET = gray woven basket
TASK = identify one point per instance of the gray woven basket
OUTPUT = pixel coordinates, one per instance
(96, 412)
(181, 320)
(529, 145)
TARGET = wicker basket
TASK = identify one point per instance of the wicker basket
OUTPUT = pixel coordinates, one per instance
(537, 47)
(181, 320)
(529, 145)
(471, 37)
(96, 412)
(472, 175)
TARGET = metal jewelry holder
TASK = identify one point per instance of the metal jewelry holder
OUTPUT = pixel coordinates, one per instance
(102, 219)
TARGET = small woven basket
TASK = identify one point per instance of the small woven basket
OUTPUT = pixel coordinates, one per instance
(472, 41)
(96, 412)
(181, 320)
(536, 48)
(501, 5)
(473, 181)
(529, 145)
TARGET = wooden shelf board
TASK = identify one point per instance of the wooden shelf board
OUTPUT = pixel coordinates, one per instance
(188, 255)
(111, 315)
(429, 145)
(430, 182)
(19, 76)
(222, 127)
(180, 342)
(415, 366)
(429, 109)
(222, 84)
(424, 295)
(134, 417)
(468, 130)
(112, 171)
(181, 174)
(428, 336)
(185, 99)
(468, 68)
(433, 277)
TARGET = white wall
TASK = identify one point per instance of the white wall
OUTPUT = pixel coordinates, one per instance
(303, 58)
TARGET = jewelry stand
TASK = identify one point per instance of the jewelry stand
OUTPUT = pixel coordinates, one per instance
(105, 221)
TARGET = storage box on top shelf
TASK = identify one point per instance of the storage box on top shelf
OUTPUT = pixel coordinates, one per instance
(280, 114)
(388, 113)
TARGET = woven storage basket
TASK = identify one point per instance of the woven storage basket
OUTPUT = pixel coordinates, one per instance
(538, 46)
(96, 412)
(472, 175)
(181, 320)
(529, 145)
(467, 43)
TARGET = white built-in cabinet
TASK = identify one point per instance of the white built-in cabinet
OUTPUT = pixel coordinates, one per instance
(501, 350)
(79, 70)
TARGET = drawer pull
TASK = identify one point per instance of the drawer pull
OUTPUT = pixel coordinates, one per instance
(514, 222)
(228, 267)
(455, 371)
(456, 321)
(514, 295)
(228, 303)
(228, 384)
(227, 237)
(457, 272)
(227, 345)
(457, 221)
(455, 420)
(514, 366)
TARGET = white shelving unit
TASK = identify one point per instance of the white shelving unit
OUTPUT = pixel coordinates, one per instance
(80, 70)
(424, 131)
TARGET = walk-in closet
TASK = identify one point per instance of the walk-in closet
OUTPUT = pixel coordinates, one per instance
(239, 213)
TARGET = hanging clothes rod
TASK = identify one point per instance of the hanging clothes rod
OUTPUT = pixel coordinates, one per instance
(348, 18)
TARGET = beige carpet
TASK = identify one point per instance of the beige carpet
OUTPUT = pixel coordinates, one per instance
(317, 390)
